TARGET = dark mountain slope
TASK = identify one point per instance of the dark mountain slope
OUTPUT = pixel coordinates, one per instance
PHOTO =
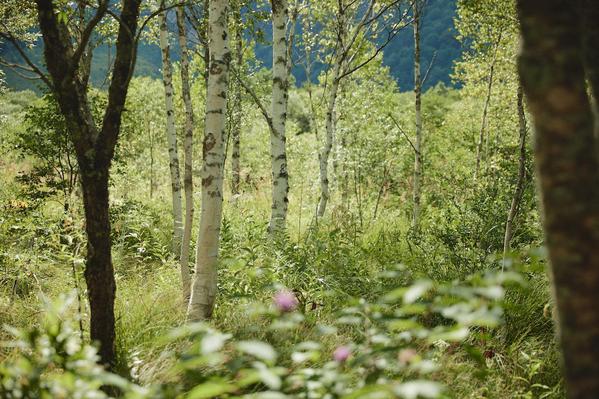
(438, 37)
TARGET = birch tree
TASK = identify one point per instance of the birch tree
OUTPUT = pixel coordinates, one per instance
(356, 24)
(171, 135)
(553, 67)
(283, 31)
(203, 292)
(280, 88)
(188, 153)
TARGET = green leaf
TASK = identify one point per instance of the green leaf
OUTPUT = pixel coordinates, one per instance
(369, 391)
(258, 349)
(210, 389)
(418, 389)
(213, 342)
(417, 290)
(404, 325)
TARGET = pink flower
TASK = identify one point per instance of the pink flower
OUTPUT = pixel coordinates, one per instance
(342, 353)
(285, 301)
(406, 356)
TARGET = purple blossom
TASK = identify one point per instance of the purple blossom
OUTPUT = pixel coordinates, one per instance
(285, 301)
(342, 353)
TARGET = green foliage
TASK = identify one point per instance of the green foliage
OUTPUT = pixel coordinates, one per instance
(395, 342)
(54, 363)
(136, 229)
(46, 142)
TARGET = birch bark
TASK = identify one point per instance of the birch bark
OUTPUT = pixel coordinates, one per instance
(203, 292)
(171, 135)
(280, 85)
(188, 153)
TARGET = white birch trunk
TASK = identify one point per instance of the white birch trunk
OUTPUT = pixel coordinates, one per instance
(204, 287)
(280, 84)
(171, 135)
(330, 134)
(188, 153)
(418, 113)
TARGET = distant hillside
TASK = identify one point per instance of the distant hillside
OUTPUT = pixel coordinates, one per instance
(438, 37)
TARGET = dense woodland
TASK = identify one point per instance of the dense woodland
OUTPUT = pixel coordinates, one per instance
(264, 210)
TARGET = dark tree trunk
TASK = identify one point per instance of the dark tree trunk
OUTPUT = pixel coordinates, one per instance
(99, 275)
(94, 146)
(590, 18)
(553, 76)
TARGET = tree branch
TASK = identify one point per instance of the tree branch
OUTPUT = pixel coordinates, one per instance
(255, 97)
(404, 134)
(87, 32)
(34, 68)
(430, 66)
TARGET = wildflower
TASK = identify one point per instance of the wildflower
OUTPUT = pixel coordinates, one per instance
(341, 354)
(285, 301)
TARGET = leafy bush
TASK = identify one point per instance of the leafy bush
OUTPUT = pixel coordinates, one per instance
(394, 344)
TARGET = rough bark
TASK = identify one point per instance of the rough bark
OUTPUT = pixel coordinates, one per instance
(553, 77)
(203, 291)
(188, 153)
(99, 272)
(418, 117)
(517, 198)
(280, 85)
(590, 18)
(94, 147)
(171, 136)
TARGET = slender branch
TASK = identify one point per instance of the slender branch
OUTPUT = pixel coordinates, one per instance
(255, 97)
(15, 69)
(87, 32)
(25, 57)
(404, 133)
(357, 30)
(430, 66)
(160, 10)
(391, 35)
